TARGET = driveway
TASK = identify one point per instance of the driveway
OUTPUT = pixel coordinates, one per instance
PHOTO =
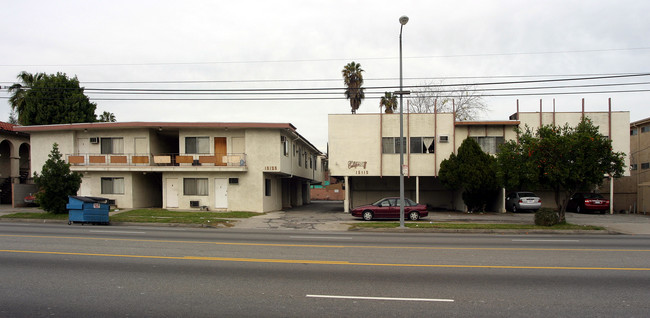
(329, 216)
(319, 215)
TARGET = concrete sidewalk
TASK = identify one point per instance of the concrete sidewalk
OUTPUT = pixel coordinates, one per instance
(329, 216)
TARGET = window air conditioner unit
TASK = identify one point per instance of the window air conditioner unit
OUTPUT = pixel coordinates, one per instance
(194, 204)
(94, 140)
(443, 138)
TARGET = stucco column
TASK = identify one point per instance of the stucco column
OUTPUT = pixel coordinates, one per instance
(15, 169)
(502, 194)
(417, 189)
(346, 202)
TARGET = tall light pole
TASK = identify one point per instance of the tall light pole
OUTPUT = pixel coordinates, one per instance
(402, 21)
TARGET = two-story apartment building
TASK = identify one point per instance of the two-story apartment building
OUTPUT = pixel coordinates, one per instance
(364, 150)
(218, 166)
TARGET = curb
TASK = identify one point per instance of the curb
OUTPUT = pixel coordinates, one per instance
(378, 230)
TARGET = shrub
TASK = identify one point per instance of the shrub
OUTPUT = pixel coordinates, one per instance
(546, 217)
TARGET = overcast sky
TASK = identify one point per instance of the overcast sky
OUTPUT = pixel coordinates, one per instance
(305, 44)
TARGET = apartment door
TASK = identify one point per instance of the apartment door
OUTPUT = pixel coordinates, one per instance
(220, 150)
(171, 191)
(220, 193)
(82, 146)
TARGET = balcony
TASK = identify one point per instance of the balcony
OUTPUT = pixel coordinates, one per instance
(158, 162)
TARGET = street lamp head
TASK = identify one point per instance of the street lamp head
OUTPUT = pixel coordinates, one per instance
(403, 20)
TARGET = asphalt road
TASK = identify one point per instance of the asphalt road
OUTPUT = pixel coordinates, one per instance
(124, 271)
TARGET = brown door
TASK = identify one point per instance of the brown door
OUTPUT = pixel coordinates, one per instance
(220, 150)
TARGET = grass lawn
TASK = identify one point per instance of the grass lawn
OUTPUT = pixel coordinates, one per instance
(38, 216)
(152, 216)
(165, 216)
(470, 226)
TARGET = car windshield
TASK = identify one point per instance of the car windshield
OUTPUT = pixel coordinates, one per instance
(526, 194)
(593, 196)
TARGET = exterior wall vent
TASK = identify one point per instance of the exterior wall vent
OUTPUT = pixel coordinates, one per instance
(194, 204)
(444, 138)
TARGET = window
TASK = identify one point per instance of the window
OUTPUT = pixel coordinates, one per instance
(112, 185)
(645, 165)
(197, 145)
(490, 144)
(306, 159)
(267, 187)
(634, 132)
(285, 145)
(634, 166)
(195, 186)
(645, 129)
(392, 144)
(112, 145)
(233, 180)
(422, 144)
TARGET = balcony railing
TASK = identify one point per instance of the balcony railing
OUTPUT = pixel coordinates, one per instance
(208, 160)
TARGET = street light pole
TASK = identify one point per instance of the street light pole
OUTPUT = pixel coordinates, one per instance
(402, 20)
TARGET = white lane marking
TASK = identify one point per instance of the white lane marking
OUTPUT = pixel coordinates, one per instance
(321, 237)
(378, 298)
(546, 240)
(122, 232)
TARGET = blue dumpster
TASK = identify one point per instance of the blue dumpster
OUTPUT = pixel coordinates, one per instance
(84, 209)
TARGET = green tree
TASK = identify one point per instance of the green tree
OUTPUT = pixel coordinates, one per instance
(45, 99)
(472, 170)
(389, 102)
(56, 183)
(19, 90)
(353, 80)
(566, 160)
(106, 117)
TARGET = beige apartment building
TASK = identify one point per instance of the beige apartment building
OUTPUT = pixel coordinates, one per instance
(255, 167)
(364, 150)
(632, 193)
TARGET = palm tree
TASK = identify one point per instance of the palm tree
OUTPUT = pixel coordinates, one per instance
(19, 90)
(353, 80)
(106, 117)
(388, 101)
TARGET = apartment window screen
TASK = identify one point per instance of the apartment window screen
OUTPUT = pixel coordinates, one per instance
(489, 144)
(392, 144)
(112, 145)
(195, 186)
(422, 144)
(197, 145)
(112, 185)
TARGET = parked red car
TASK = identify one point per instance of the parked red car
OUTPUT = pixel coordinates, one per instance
(388, 208)
(581, 202)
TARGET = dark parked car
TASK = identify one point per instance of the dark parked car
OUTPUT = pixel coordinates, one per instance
(388, 208)
(523, 200)
(581, 202)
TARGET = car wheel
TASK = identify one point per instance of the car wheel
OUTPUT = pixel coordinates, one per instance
(414, 216)
(367, 215)
(514, 208)
(578, 209)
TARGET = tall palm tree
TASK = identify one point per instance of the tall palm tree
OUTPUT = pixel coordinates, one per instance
(19, 90)
(389, 102)
(353, 80)
(106, 117)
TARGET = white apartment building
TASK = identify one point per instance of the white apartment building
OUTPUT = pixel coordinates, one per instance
(255, 167)
(364, 150)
